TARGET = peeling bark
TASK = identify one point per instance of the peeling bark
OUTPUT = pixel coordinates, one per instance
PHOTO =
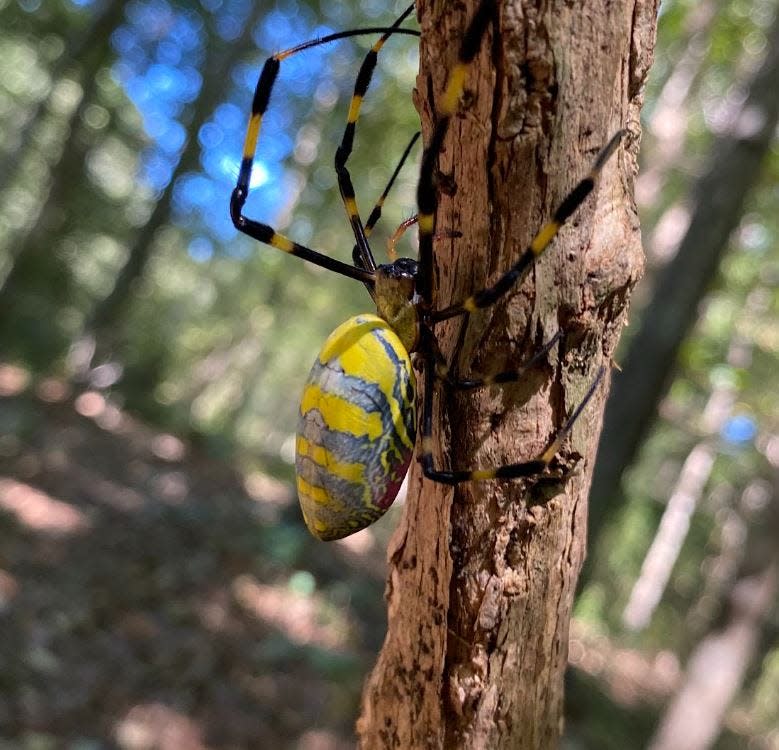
(482, 579)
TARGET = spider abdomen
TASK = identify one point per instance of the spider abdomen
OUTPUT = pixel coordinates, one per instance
(357, 428)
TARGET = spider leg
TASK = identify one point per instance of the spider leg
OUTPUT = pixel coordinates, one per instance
(344, 150)
(540, 242)
(397, 234)
(404, 225)
(263, 232)
(375, 214)
(508, 471)
(269, 236)
(427, 199)
(507, 376)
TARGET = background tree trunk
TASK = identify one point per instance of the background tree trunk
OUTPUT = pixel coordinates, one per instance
(85, 53)
(719, 663)
(34, 269)
(105, 320)
(718, 198)
(482, 579)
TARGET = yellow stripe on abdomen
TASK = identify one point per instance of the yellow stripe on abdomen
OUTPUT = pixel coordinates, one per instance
(340, 414)
(357, 428)
(346, 470)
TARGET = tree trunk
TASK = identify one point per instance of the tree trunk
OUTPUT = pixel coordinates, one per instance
(85, 48)
(482, 579)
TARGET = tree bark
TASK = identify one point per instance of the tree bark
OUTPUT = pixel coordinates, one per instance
(482, 579)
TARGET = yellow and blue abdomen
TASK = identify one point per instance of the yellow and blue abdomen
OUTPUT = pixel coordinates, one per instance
(357, 428)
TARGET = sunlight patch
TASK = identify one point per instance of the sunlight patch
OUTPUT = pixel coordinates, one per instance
(155, 725)
(13, 380)
(39, 511)
(300, 617)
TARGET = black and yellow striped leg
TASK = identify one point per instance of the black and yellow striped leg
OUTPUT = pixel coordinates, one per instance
(347, 143)
(427, 196)
(427, 200)
(264, 232)
(508, 471)
(375, 214)
(540, 242)
(507, 376)
(268, 235)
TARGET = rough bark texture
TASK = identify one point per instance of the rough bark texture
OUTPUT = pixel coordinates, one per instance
(482, 579)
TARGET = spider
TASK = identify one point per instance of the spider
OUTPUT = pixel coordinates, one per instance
(358, 413)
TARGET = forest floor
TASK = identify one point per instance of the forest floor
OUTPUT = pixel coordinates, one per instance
(146, 593)
(154, 598)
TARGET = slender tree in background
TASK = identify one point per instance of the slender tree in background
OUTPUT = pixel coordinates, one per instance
(482, 579)
(718, 199)
(221, 56)
(35, 270)
(719, 663)
(80, 57)
(694, 477)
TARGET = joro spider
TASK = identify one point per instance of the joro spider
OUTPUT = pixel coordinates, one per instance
(358, 421)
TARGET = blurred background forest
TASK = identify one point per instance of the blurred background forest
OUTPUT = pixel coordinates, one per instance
(157, 586)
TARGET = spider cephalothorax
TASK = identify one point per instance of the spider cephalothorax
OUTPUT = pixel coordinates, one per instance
(396, 299)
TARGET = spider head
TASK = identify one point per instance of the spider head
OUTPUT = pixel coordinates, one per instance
(402, 273)
(396, 283)
(395, 291)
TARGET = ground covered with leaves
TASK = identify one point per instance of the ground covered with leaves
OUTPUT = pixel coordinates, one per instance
(151, 597)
